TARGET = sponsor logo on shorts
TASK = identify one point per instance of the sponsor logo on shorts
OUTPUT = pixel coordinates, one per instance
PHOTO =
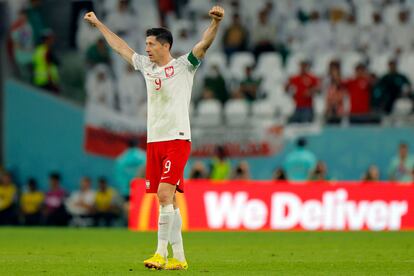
(147, 184)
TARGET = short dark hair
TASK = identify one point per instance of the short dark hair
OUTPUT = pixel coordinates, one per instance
(32, 183)
(132, 143)
(55, 176)
(301, 142)
(403, 144)
(163, 35)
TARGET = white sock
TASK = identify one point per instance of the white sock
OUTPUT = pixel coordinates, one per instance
(176, 238)
(165, 223)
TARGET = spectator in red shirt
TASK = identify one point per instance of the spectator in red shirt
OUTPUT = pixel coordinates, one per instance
(303, 86)
(336, 98)
(359, 90)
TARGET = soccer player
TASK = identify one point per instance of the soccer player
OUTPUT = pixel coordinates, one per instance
(169, 82)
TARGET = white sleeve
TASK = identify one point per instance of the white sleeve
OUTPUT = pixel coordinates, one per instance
(190, 61)
(138, 61)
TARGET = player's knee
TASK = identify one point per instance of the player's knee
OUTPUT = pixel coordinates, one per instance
(164, 197)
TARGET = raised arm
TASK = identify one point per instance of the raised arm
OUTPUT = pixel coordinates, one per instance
(116, 43)
(216, 13)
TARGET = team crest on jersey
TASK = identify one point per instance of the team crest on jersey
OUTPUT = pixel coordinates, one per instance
(169, 71)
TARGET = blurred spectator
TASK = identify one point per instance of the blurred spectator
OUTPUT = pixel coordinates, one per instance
(45, 64)
(317, 34)
(373, 38)
(107, 204)
(359, 90)
(31, 203)
(238, 95)
(80, 204)
(22, 45)
(241, 172)
(401, 37)
(264, 35)
(100, 87)
(372, 174)
(401, 165)
(303, 87)
(390, 87)
(165, 7)
(98, 53)
(128, 165)
(36, 20)
(345, 34)
(78, 9)
(216, 83)
(300, 162)
(235, 37)
(198, 171)
(8, 193)
(279, 174)
(336, 97)
(55, 212)
(320, 173)
(122, 21)
(207, 94)
(132, 93)
(249, 86)
(220, 166)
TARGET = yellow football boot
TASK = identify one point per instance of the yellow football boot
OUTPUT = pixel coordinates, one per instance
(174, 264)
(155, 262)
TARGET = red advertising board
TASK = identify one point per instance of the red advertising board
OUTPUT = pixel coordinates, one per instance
(279, 206)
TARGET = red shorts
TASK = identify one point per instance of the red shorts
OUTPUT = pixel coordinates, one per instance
(165, 164)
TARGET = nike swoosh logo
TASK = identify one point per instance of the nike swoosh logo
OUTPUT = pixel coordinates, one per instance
(164, 177)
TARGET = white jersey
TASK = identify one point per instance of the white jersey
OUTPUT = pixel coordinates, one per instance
(169, 94)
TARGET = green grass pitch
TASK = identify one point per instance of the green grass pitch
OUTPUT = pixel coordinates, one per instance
(54, 251)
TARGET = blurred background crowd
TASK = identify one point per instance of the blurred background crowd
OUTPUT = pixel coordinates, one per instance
(333, 61)
(294, 62)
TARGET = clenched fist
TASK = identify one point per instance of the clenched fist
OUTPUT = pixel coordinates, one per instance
(216, 13)
(91, 18)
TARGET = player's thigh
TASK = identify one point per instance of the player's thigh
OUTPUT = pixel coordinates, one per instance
(153, 168)
(175, 160)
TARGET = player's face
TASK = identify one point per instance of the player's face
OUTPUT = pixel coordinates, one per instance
(155, 49)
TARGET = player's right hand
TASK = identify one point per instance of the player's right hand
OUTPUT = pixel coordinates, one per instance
(91, 18)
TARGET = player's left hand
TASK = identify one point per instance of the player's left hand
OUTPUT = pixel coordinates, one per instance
(216, 13)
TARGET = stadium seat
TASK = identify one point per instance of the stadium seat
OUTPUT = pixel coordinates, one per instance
(273, 90)
(402, 107)
(349, 60)
(379, 63)
(209, 113)
(239, 62)
(270, 65)
(236, 112)
(401, 111)
(263, 110)
(319, 107)
(216, 58)
(285, 106)
(406, 65)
